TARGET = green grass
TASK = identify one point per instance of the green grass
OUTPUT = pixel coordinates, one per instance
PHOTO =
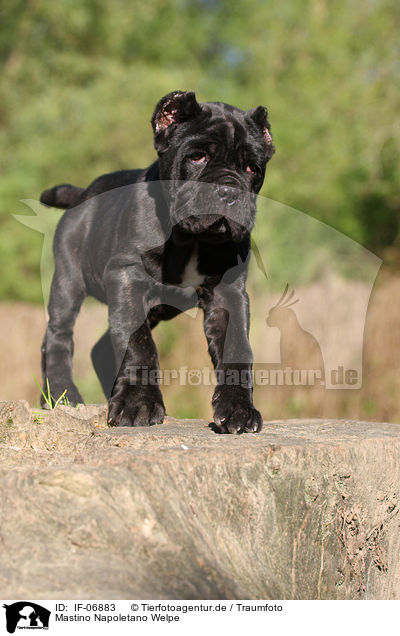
(51, 402)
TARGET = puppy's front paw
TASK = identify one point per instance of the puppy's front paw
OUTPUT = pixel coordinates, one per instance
(234, 411)
(136, 406)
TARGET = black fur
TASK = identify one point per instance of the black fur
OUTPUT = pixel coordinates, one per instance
(61, 196)
(126, 240)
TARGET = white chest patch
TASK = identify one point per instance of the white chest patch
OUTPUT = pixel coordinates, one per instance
(191, 276)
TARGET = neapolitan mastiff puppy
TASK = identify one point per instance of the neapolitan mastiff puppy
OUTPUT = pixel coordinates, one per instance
(152, 243)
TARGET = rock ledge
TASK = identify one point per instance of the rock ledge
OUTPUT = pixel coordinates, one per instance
(306, 509)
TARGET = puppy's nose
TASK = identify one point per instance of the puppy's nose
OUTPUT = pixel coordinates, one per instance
(227, 194)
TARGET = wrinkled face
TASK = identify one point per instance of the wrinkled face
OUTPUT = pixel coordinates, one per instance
(212, 157)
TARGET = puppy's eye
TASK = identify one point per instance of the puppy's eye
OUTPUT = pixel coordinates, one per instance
(198, 157)
(252, 168)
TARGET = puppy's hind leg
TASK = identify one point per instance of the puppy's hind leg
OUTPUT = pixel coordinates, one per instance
(66, 296)
(103, 360)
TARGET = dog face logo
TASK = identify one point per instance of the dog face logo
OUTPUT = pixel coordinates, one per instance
(26, 615)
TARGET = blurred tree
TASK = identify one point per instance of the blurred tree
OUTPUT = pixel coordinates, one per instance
(80, 78)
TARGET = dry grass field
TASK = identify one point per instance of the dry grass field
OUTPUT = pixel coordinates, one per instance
(22, 327)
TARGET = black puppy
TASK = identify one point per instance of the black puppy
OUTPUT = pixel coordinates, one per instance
(152, 243)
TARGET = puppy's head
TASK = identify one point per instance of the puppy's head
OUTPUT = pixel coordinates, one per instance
(212, 159)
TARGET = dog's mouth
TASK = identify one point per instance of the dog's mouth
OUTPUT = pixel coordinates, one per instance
(209, 228)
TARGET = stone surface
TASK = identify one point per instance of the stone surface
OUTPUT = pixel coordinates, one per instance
(306, 509)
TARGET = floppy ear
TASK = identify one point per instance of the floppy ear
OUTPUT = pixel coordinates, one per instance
(260, 117)
(173, 109)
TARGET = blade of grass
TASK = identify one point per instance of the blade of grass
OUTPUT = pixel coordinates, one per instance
(46, 398)
(60, 399)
